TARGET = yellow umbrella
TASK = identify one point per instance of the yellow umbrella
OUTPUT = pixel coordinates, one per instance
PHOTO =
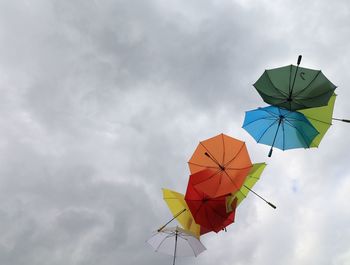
(178, 207)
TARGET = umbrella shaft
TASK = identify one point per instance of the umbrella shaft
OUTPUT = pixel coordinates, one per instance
(176, 215)
(343, 120)
(291, 90)
(175, 248)
(214, 160)
(269, 203)
(274, 138)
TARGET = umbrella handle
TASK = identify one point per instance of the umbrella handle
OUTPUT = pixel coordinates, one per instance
(270, 152)
(299, 59)
(343, 120)
(272, 205)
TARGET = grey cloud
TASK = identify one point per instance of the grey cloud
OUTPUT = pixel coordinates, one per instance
(103, 103)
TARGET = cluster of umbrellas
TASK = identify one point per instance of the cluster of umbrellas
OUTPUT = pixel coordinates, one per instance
(301, 108)
(221, 172)
(221, 176)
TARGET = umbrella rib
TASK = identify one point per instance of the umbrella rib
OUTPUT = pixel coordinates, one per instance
(295, 118)
(302, 90)
(314, 96)
(223, 148)
(161, 242)
(266, 130)
(237, 168)
(318, 120)
(200, 206)
(262, 94)
(284, 137)
(262, 118)
(242, 192)
(195, 200)
(234, 183)
(201, 165)
(215, 211)
(220, 170)
(270, 112)
(273, 85)
(297, 101)
(184, 238)
(229, 162)
(212, 157)
(300, 132)
(206, 214)
(209, 177)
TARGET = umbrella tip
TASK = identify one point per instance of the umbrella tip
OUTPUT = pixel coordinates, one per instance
(272, 205)
(299, 59)
(270, 153)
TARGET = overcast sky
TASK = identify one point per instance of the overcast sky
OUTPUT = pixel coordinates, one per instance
(103, 102)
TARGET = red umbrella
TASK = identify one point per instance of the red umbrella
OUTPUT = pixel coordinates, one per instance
(207, 211)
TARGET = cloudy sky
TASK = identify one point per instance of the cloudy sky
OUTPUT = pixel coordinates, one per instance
(103, 102)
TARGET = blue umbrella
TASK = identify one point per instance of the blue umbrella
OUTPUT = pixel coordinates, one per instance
(279, 128)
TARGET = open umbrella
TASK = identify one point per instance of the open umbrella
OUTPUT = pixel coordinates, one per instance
(177, 242)
(321, 119)
(242, 193)
(178, 207)
(294, 88)
(279, 128)
(229, 161)
(207, 211)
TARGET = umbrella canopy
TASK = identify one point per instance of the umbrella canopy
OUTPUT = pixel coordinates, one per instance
(177, 242)
(228, 160)
(207, 211)
(242, 193)
(294, 88)
(321, 119)
(176, 203)
(279, 128)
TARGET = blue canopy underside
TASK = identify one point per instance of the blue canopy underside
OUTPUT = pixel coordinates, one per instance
(294, 130)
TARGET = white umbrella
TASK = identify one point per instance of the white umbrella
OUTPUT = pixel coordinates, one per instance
(176, 242)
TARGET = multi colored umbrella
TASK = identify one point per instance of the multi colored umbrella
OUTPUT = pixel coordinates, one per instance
(242, 193)
(294, 88)
(207, 211)
(228, 160)
(178, 207)
(279, 128)
(177, 242)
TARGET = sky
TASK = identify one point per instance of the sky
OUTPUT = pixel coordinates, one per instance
(103, 103)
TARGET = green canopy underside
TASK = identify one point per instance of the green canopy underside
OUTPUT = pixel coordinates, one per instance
(321, 119)
(252, 178)
(309, 89)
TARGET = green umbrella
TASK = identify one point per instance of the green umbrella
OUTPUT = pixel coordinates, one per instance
(292, 87)
(242, 193)
(321, 118)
